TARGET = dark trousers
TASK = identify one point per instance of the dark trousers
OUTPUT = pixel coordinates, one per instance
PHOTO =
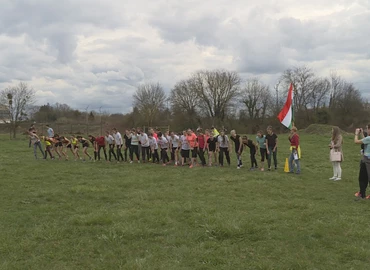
(104, 151)
(201, 156)
(145, 153)
(48, 151)
(134, 150)
(164, 155)
(119, 152)
(127, 152)
(111, 152)
(253, 159)
(155, 156)
(364, 174)
(224, 151)
(272, 155)
(173, 151)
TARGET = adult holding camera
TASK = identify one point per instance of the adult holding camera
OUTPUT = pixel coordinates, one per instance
(364, 174)
(336, 153)
(364, 135)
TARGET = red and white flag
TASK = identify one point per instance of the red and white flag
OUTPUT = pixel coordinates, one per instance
(286, 115)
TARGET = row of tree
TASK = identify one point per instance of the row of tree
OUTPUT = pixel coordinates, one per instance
(222, 98)
(216, 97)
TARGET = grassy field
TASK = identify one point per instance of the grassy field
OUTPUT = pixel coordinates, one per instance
(74, 215)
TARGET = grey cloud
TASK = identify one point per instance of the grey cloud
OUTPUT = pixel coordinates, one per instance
(178, 29)
(95, 53)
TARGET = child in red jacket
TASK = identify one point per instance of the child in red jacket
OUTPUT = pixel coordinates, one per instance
(294, 143)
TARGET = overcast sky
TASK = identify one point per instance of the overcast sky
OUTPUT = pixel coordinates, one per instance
(94, 52)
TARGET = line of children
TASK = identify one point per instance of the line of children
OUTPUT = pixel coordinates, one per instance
(216, 144)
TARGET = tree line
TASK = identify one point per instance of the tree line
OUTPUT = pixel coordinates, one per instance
(213, 98)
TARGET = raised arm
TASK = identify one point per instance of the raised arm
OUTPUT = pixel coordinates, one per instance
(357, 140)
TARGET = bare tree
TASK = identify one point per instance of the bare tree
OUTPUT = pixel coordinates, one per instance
(319, 94)
(149, 99)
(303, 80)
(217, 90)
(18, 97)
(184, 100)
(336, 88)
(256, 97)
(184, 97)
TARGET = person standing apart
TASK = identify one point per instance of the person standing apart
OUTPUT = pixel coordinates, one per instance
(294, 155)
(364, 174)
(271, 146)
(238, 142)
(336, 153)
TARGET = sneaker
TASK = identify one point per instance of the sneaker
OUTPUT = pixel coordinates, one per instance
(238, 167)
(333, 178)
(337, 179)
(131, 162)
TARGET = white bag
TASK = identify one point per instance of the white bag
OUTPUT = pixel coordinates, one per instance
(335, 156)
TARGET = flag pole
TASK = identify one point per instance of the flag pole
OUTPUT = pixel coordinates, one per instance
(293, 120)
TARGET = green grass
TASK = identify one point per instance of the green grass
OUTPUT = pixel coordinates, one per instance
(74, 215)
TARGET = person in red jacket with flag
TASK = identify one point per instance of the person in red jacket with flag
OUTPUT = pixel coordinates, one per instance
(294, 157)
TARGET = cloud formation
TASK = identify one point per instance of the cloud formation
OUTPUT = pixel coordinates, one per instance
(97, 52)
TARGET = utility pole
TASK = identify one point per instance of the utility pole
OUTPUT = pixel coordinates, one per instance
(87, 120)
(277, 94)
(10, 100)
(101, 123)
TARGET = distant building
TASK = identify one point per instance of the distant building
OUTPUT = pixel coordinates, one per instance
(4, 114)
